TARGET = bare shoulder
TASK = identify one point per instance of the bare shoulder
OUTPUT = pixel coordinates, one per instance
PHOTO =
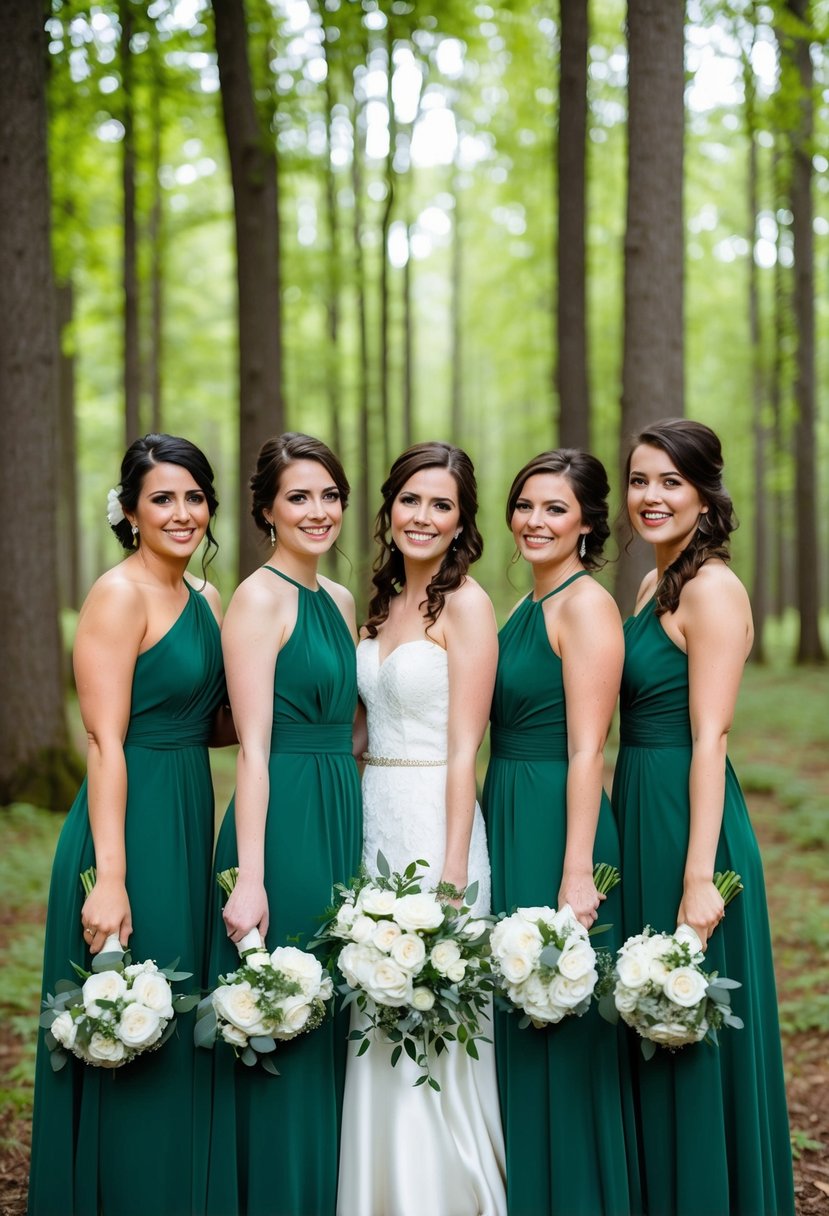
(210, 593)
(114, 591)
(115, 609)
(469, 597)
(714, 585)
(340, 594)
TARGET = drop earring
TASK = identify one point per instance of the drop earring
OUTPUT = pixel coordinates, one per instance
(273, 536)
(582, 546)
(135, 536)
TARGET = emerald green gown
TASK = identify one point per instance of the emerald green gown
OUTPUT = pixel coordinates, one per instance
(126, 1141)
(565, 1093)
(712, 1120)
(275, 1140)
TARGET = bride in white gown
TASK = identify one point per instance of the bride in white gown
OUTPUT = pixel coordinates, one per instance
(426, 670)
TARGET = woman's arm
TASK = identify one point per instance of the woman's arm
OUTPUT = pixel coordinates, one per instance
(111, 627)
(471, 638)
(258, 622)
(589, 638)
(715, 618)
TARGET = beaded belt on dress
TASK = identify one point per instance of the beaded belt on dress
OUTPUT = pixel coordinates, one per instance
(390, 762)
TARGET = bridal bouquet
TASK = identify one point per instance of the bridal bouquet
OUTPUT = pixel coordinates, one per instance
(660, 989)
(269, 998)
(119, 1010)
(417, 968)
(543, 959)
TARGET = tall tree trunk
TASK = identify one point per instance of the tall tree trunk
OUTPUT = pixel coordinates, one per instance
(408, 345)
(253, 170)
(780, 513)
(385, 322)
(572, 382)
(156, 238)
(653, 361)
(132, 352)
(36, 764)
(456, 405)
(809, 647)
(760, 539)
(333, 385)
(365, 485)
(69, 558)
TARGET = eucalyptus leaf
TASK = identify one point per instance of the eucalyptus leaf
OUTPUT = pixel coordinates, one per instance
(262, 1044)
(184, 1002)
(58, 1059)
(383, 866)
(471, 894)
(549, 956)
(248, 1056)
(269, 1066)
(206, 1029)
(648, 1048)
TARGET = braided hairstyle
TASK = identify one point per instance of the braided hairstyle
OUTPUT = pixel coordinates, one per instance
(389, 570)
(696, 452)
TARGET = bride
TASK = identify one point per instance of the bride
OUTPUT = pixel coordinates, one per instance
(426, 670)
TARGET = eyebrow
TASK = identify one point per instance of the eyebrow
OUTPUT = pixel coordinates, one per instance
(640, 473)
(547, 502)
(302, 490)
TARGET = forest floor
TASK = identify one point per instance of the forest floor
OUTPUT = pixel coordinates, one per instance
(779, 750)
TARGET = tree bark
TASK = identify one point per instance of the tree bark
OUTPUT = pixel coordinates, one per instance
(385, 308)
(132, 352)
(456, 405)
(809, 647)
(572, 382)
(653, 360)
(36, 764)
(253, 169)
(364, 483)
(156, 239)
(69, 557)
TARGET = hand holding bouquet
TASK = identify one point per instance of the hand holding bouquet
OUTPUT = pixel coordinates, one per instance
(270, 998)
(417, 967)
(543, 959)
(121, 1010)
(660, 989)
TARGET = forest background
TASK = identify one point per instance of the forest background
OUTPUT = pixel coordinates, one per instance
(511, 224)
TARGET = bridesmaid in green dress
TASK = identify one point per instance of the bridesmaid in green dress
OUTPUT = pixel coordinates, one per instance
(565, 1099)
(713, 1125)
(148, 668)
(294, 827)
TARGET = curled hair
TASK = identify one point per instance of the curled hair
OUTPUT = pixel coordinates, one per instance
(696, 452)
(389, 570)
(143, 455)
(586, 477)
(274, 458)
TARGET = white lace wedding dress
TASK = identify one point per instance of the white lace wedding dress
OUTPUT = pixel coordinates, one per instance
(406, 1150)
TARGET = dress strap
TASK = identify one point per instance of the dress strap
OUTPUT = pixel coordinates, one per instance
(566, 583)
(288, 578)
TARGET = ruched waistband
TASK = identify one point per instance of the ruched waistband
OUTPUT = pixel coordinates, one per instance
(508, 744)
(313, 738)
(650, 732)
(169, 737)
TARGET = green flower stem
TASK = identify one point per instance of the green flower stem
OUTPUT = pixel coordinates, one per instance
(227, 879)
(606, 877)
(728, 884)
(88, 880)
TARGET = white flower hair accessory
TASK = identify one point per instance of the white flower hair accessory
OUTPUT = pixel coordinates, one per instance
(115, 513)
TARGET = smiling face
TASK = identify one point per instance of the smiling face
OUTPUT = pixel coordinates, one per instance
(664, 507)
(172, 513)
(546, 521)
(307, 512)
(425, 515)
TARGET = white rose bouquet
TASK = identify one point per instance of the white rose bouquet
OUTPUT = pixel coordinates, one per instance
(120, 1009)
(418, 968)
(544, 962)
(270, 998)
(659, 988)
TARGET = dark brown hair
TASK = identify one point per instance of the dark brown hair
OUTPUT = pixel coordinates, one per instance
(389, 570)
(275, 456)
(696, 452)
(586, 477)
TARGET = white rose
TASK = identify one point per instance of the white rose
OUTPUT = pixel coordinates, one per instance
(374, 901)
(389, 984)
(684, 933)
(515, 967)
(633, 967)
(626, 999)
(295, 1013)
(672, 1034)
(473, 929)
(418, 912)
(534, 998)
(152, 990)
(236, 1003)
(657, 972)
(64, 1028)
(570, 993)
(422, 999)
(363, 929)
(385, 934)
(232, 1035)
(409, 952)
(456, 971)
(685, 986)
(356, 963)
(444, 955)
(577, 960)
(133, 970)
(104, 986)
(139, 1026)
(657, 945)
(344, 920)
(515, 936)
(326, 988)
(299, 965)
(108, 1052)
(258, 960)
(630, 943)
(533, 915)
